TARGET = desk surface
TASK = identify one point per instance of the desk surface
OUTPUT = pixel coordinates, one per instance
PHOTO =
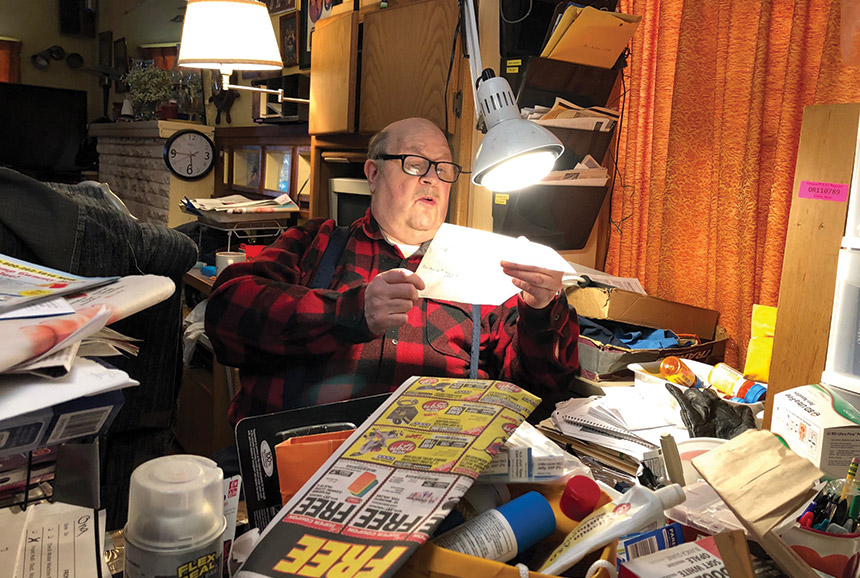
(194, 278)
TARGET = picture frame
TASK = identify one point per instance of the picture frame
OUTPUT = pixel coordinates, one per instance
(106, 49)
(120, 63)
(281, 6)
(311, 12)
(289, 37)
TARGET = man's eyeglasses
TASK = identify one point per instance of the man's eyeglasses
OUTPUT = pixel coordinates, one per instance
(418, 166)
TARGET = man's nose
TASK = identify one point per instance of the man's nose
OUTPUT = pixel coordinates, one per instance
(431, 177)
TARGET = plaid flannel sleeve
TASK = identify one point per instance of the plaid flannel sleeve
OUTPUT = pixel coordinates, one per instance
(262, 310)
(536, 348)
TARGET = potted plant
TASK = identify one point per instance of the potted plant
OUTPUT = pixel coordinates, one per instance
(149, 86)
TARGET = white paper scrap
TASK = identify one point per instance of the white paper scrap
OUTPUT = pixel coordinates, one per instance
(463, 265)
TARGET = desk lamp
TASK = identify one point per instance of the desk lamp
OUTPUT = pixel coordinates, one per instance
(228, 35)
(515, 152)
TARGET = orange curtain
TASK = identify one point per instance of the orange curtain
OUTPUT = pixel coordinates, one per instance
(714, 103)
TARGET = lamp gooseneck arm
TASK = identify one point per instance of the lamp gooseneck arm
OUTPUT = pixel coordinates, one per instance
(474, 47)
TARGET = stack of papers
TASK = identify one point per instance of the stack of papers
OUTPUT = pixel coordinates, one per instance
(46, 337)
(586, 173)
(613, 429)
(239, 209)
(565, 114)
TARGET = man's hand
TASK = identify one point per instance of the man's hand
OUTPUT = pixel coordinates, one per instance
(389, 297)
(539, 285)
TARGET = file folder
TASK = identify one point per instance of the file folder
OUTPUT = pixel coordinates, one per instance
(594, 37)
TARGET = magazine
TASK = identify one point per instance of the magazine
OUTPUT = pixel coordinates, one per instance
(26, 339)
(391, 483)
(23, 283)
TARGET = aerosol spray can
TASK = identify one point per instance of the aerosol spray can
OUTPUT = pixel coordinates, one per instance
(175, 519)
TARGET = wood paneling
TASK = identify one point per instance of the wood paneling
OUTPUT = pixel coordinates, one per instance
(828, 144)
(406, 52)
(334, 58)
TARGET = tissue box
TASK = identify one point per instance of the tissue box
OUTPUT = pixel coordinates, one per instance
(819, 423)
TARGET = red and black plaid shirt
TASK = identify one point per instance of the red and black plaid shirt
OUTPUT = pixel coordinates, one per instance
(262, 318)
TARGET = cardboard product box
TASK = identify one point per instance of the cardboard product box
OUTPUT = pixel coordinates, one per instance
(83, 417)
(629, 307)
(603, 362)
(25, 432)
(820, 423)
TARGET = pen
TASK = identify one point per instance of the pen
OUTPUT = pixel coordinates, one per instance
(849, 479)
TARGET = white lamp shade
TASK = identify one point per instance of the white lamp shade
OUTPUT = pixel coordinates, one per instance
(229, 35)
(514, 154)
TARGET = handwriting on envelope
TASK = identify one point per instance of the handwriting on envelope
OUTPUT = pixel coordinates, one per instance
(462, 265)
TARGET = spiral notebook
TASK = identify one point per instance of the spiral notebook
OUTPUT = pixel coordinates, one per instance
(589, 420)
(604, 429)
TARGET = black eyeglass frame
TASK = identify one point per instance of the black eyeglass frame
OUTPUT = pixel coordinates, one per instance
(433, 164)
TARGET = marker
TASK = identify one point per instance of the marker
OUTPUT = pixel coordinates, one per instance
(819, 499)
(840, 513)
(820, 511)
(849, 479)
(836, 529)
(806, 520)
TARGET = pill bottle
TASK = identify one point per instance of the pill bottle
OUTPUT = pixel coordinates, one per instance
(675, 370)
(731, 382)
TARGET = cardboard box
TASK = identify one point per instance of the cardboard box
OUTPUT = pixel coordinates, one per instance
(25, 432)
(83, 417)
(820, 423)
(637, 309)
(602, 362)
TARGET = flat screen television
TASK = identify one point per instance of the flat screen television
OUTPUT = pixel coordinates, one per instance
(43, 130)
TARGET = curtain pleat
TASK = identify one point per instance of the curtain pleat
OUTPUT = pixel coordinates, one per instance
(713, 109)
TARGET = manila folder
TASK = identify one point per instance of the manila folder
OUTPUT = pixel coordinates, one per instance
(596, 38)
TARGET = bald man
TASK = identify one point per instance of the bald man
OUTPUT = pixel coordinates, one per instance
(368, 331)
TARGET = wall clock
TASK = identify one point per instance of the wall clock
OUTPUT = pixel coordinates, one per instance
(189, 154)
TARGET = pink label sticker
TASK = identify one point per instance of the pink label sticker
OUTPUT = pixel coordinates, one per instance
(823, 191)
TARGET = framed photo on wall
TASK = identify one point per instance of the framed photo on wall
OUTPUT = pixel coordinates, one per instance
(290, 39)
(279, 6)
(106, 49)
(311, 12)
(120, 62)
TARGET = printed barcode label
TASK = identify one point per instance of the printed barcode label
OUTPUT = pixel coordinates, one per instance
(642, 548)
(79, 424)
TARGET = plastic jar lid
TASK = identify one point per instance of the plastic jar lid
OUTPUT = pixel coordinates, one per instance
(579, 498)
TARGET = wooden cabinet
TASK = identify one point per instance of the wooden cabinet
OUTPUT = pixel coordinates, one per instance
(375, 66)
(405, 54)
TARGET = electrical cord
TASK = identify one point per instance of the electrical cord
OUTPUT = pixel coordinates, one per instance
(517, 21)
(451, 68)
(615, 170)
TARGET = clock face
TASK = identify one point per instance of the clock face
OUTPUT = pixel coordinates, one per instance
(189, 154)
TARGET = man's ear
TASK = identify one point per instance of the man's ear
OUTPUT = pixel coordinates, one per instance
(371, 171)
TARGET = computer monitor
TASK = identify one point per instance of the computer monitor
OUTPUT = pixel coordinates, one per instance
(44, 130)
(349, 199)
